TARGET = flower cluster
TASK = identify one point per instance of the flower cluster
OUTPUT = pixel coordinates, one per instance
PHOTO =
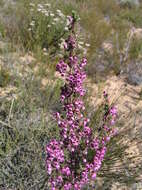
(55, 155)
(53, 21)
(45, 24)
(74, 160)
(61, 67)
(46, 11)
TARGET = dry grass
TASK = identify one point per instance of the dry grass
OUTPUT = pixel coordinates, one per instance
(29, 90)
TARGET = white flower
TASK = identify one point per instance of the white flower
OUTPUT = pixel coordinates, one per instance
(80, 47)
(61, 15)
(32, 23)
(62, 44)
(49, 26)
(39, 9)
(56, 19)
(40, 5)
(32, 5)
(51, 14)
(46, 14)
(44, 11)
(62, 39)
(68, 23)
(81, 43)
(44, 49)
(47, 4)
(29, 29)
(58, 11)
(66, 28)
(87, 45)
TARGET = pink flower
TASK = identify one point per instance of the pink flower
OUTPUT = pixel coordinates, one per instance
(68, 186)
(65, 45)
(66, 171)
(94, 176)
(74, 159)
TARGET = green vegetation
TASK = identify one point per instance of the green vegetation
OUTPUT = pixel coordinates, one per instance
(26, 122)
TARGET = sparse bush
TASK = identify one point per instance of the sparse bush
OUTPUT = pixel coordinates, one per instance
(46, 27)
(4, 77)
(25, 134)
(134, 16)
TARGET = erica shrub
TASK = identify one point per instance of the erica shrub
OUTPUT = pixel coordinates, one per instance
(74, 159)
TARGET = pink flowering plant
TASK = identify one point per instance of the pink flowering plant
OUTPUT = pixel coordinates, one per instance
(74, 159)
